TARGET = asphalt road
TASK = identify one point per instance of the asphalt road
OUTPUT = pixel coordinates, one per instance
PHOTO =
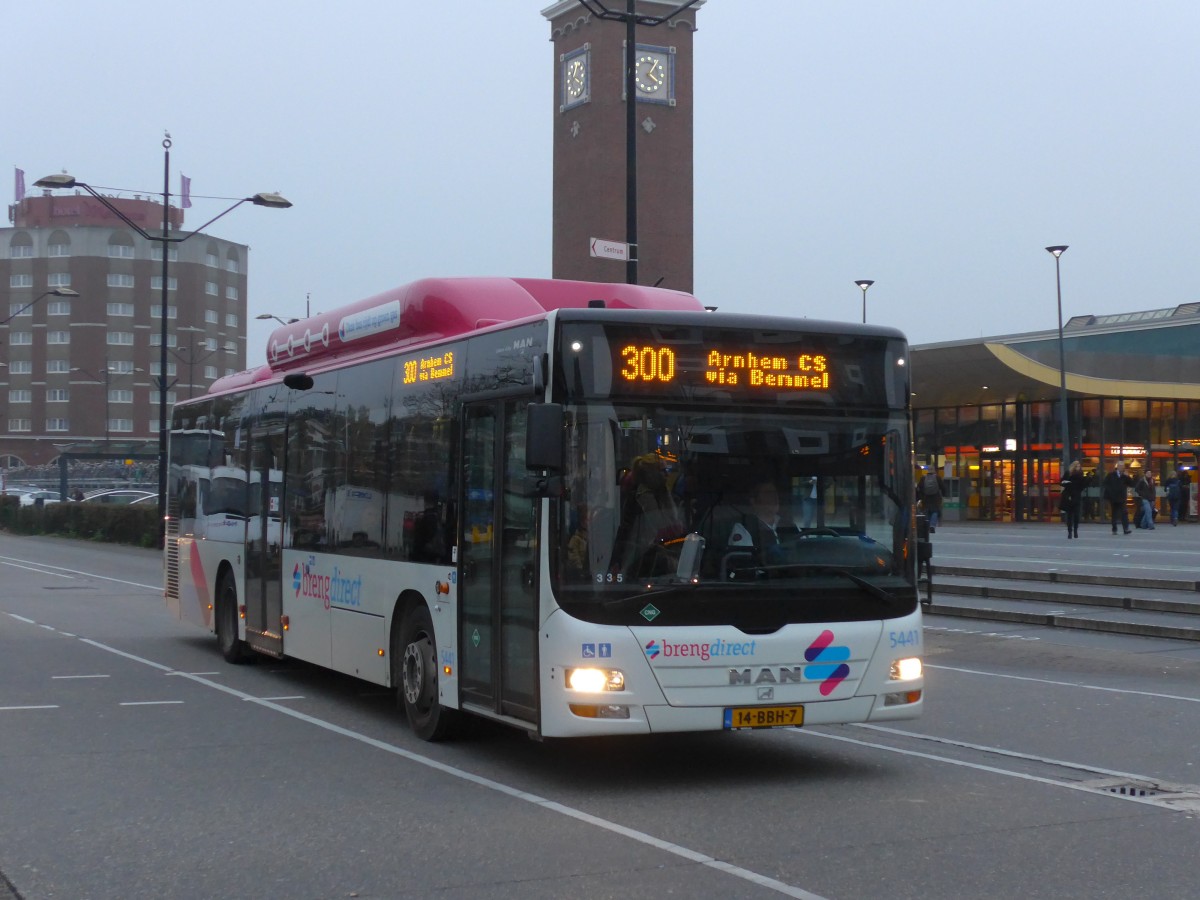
(135, 763)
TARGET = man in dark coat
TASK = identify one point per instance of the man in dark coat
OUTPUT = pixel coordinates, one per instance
(1115, 489)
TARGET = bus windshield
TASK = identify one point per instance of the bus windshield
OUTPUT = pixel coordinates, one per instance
(807, 510)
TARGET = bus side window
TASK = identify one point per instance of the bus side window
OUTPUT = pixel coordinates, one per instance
(309, 457)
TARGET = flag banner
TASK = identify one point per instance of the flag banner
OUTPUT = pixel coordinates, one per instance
(185, 191)
(19, 185)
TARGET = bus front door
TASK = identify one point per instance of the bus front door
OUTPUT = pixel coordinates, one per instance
(498, 559)
(264, 537)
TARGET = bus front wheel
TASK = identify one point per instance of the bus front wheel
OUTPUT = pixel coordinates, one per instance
(232, 648)
(417, 684)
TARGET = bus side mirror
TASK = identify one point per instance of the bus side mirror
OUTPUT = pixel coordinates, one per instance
(544, 437)
(298, 381)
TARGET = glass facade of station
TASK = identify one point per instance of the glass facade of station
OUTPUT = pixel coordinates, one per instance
(1003, 462)
(987, 412)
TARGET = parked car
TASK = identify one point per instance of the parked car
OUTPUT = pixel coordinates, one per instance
(119, 495)
(31, 498)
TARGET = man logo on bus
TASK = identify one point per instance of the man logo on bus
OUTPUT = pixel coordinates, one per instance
(827, 663)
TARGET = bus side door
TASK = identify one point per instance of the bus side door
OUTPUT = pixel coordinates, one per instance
(498, 583)
(264, 537)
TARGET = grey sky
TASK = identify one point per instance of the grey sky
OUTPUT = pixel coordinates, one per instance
(935, 147)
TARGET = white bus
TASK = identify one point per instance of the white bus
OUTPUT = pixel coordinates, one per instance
(576, 508)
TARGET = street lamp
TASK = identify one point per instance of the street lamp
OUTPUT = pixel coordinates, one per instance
(630, 17)
(270, 200)
(191, 362)
(1057, 251)
(277, 319)
(108, 373)
(864, 283)
(57, 292)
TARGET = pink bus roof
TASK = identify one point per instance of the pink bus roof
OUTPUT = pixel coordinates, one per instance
(438, 308)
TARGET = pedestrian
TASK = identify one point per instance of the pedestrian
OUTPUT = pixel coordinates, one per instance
(1116, 489)
(1174, 495)
(809, 503)
(1185, 495)
(1072, 497)
(1144, 490)
(929, 492)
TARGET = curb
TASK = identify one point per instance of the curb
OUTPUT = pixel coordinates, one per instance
(1132, 604)
(1167, 584)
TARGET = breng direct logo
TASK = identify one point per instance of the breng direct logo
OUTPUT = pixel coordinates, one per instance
(335, 589)
(703, 650)
(827, 663)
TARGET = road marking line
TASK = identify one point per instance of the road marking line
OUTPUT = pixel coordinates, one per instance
(193, 673)
(640, 836)
(1074, 684)
(64, 677)
(297, 697)
(150, 702)
(13, 561)
(1071, 786)
(14, 708)
(35, 568)
(23, 619)
(999, 751)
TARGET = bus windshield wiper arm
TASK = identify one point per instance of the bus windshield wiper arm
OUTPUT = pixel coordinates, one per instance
(876, 592)
(654, 590)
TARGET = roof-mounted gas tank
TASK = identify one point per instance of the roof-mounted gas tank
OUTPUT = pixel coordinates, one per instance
(436, 308)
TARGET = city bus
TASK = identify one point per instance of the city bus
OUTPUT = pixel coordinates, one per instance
(574, 508)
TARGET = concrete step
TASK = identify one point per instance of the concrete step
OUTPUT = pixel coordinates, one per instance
(1175, 597)
(1064, 576)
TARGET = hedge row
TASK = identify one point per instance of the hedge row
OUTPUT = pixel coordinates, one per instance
(110, 522)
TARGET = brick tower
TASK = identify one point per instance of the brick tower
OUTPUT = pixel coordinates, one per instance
(591, 137)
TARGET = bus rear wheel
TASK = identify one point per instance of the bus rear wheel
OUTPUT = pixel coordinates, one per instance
(417, 684)
(232, 648)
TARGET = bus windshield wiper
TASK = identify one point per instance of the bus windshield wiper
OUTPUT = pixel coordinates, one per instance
(656, 589)
(874, 590)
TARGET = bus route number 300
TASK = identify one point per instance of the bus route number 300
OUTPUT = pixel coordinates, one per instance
(646, 363)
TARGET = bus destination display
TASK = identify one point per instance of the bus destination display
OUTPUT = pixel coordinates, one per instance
(729, 367)
(429, 368)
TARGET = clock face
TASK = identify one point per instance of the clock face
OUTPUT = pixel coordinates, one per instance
(575, 78)
(653, 75)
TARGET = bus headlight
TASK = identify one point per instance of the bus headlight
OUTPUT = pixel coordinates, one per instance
(908, 669)
(593, 681)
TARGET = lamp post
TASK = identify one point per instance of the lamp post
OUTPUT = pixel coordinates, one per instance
(191, 363)
(57, 292)
(281, 321)
(271, 200)
(864, 283)
(631, 19)
(1057, 251)
(108, 372)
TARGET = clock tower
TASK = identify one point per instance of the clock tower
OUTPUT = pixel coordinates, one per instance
(591, 140)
